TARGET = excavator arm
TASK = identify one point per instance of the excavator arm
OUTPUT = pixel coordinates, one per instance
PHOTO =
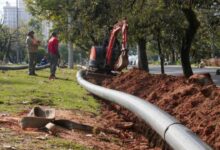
(122, 60)
(108, 59)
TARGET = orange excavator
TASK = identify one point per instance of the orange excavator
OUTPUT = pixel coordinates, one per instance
(107, 59)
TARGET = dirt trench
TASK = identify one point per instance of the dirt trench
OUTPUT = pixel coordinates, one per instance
(195, 104)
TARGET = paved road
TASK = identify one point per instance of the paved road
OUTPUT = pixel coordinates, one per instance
(177, 70)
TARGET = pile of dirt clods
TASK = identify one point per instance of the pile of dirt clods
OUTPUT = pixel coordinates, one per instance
(195, 105)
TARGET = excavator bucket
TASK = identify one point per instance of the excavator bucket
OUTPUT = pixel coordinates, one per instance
(122, 61)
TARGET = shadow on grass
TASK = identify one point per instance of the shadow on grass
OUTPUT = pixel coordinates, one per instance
(14, 82)
(57, 78)
(42, 101)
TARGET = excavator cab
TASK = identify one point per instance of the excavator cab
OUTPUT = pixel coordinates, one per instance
(110, 59)
(97, 58)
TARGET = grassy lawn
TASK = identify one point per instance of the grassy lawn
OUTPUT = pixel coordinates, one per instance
(18, 91)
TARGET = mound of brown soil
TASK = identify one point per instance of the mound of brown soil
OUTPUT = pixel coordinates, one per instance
(195, 105)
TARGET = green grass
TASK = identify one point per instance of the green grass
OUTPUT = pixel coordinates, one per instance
(64, 144)
(19, 91)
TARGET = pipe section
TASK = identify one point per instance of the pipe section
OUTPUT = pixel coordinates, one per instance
(23, 67)
(180, 137)
(13, 67)
(175, 134)
(42, 67)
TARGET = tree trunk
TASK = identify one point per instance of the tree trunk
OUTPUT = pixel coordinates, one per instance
(160, 52)
(70, 44)
(173, 56)
(187, 40)
(7, 57)
(70, 55)
(142, 55)
(17, 53)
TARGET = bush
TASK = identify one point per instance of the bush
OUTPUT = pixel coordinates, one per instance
(63, 53)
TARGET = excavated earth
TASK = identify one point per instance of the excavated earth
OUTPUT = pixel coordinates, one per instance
(195, 104)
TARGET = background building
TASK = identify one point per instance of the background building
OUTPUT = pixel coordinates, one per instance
(10, 16)
(15, 16)
(24, 16)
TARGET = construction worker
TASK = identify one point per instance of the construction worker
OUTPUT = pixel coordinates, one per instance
(53, 54)
(32, 46)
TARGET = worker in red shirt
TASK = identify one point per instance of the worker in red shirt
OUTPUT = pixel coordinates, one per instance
(53, 54)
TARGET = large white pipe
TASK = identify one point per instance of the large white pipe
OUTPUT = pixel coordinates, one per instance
(13, 67)
(176, 135)
(23, 67)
